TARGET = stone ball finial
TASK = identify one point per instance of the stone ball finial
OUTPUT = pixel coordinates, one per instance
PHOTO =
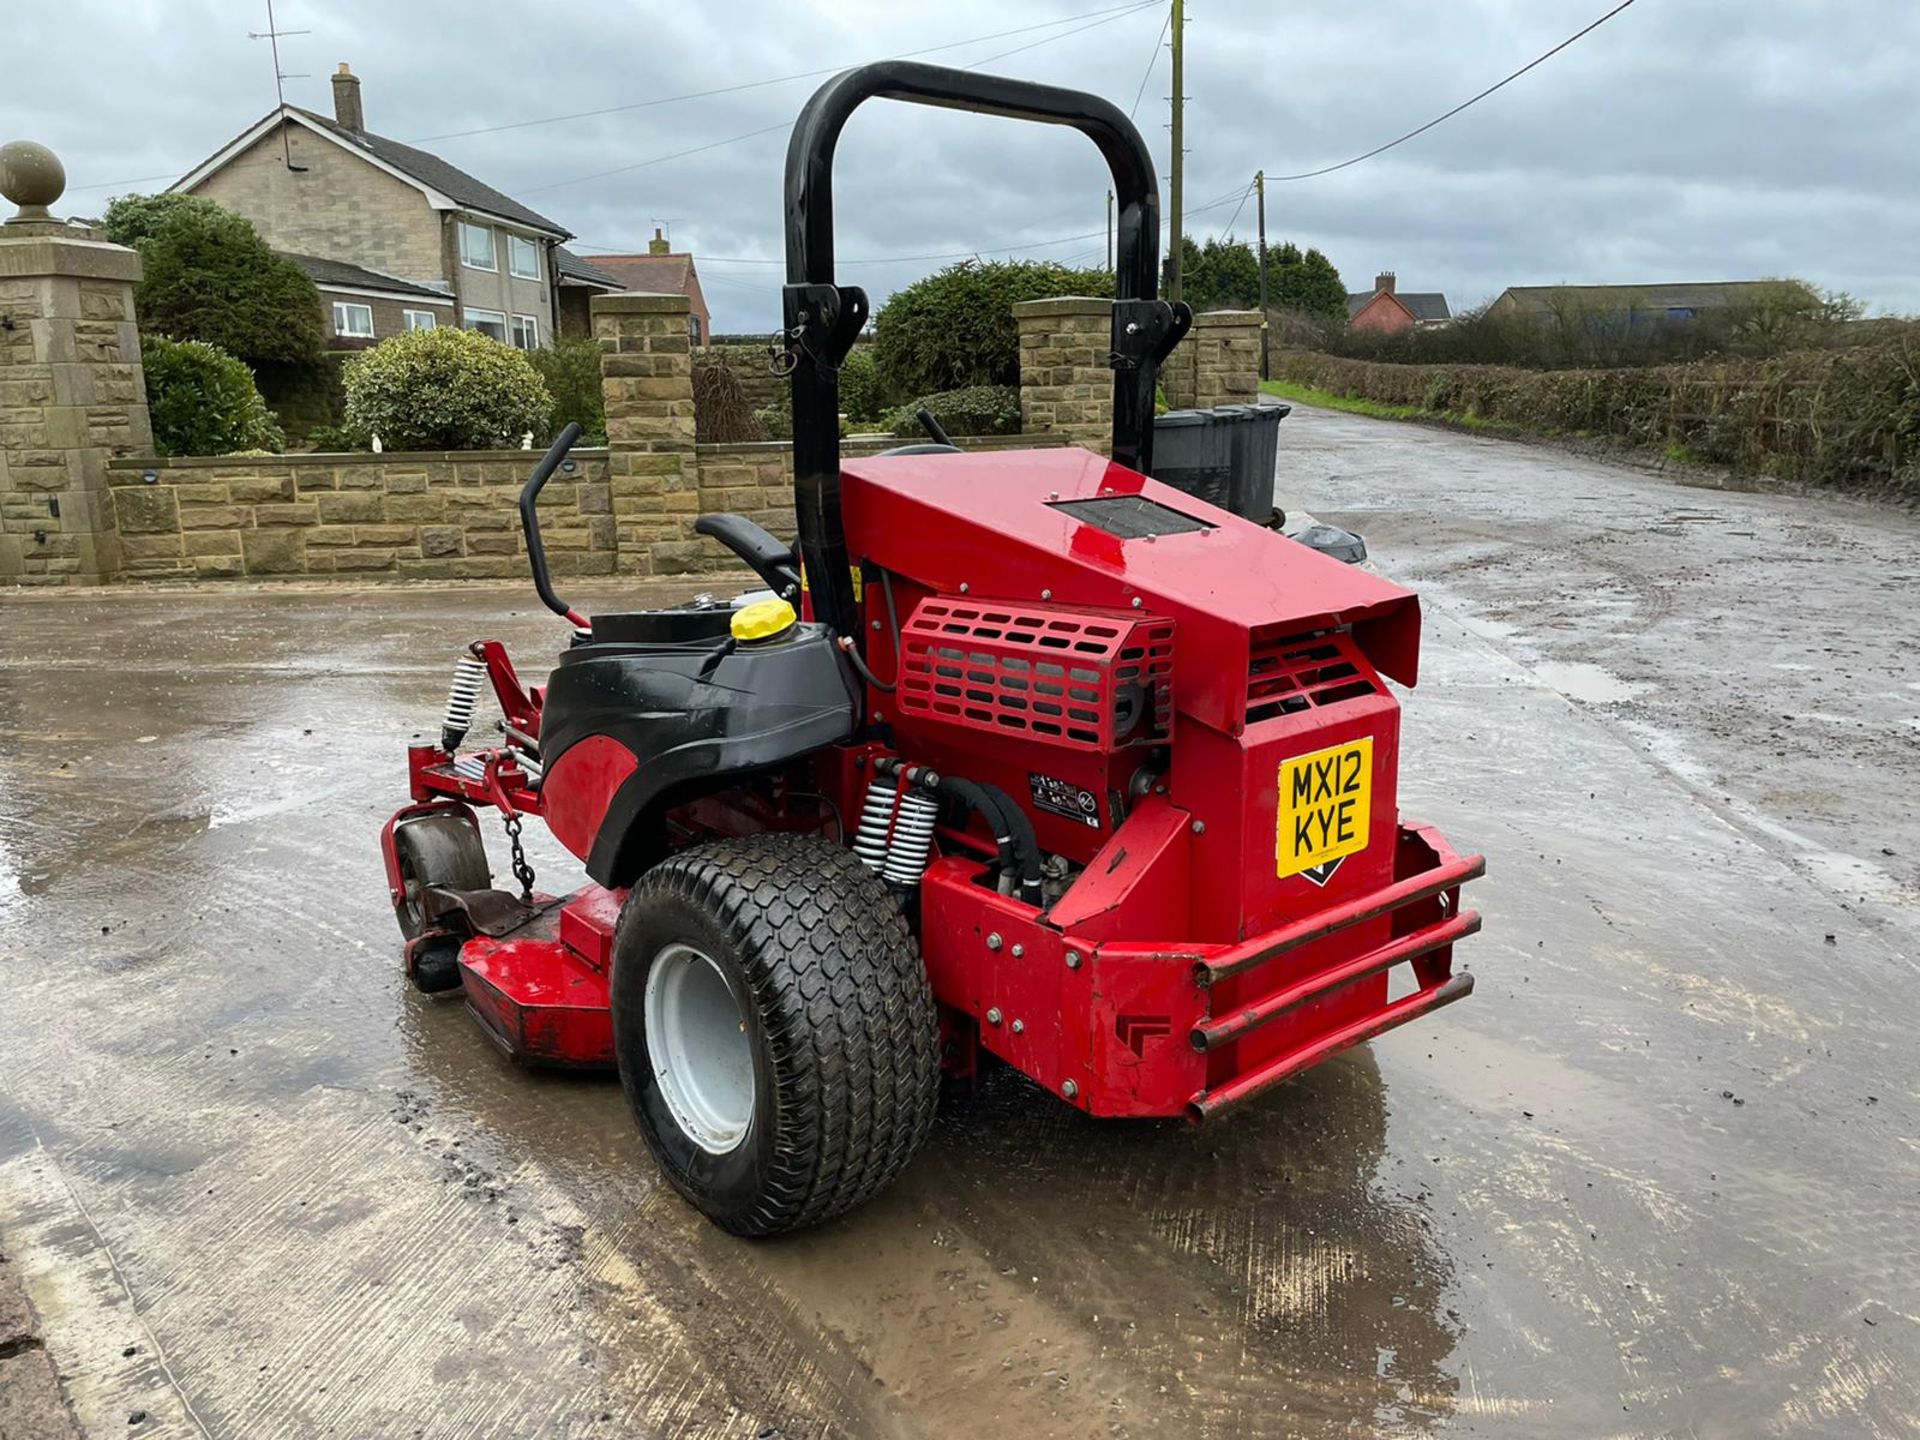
(32, 177)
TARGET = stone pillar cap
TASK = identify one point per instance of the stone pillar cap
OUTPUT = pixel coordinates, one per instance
(32, 177)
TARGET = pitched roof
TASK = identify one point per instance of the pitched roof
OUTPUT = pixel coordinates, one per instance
(1421, 304)
(654, 274)
(572, 267)
(338, 272)
(432, 174)
(431, 170)
(1683, 295)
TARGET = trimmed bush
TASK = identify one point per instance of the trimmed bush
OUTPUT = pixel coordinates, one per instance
(446, 389)
(203, 401)
(975, 410)
(1846, 417)
(956, 329)
(860, 386)
(207, 275)
(571, 371)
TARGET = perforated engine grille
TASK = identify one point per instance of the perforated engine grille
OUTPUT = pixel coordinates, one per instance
(1299, 672)
(1092, 682)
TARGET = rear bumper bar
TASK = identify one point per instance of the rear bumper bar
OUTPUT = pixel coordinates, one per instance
(1422, 908)
(1209, 1103)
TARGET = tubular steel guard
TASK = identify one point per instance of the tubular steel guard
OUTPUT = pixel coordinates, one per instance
(822, 318)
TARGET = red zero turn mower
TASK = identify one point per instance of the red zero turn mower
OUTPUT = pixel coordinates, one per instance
(1057, 764)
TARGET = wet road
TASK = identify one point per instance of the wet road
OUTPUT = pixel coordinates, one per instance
(1659, 1176)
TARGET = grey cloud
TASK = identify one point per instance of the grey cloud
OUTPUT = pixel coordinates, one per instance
(1680, 141)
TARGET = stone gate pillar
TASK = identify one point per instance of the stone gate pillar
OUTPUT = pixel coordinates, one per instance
(1066, 384)
(646, 374)
(71, 389)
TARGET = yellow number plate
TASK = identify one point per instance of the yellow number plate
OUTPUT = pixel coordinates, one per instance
(1326, 799)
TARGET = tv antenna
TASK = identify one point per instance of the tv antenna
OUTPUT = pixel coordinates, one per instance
(272, 36)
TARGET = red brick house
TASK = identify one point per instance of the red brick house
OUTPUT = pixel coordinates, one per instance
(663, 271)
(1388, 310)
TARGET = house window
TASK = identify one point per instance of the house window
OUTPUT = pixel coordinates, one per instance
(420, 319)
(693, 328)
(487, 322)
(476, 247)
(353, 320)
(526, 332)
(523, 257)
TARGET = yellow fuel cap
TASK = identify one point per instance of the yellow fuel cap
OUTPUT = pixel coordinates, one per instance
(763, 620)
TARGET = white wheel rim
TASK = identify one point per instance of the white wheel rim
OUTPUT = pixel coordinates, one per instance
(702, 1055)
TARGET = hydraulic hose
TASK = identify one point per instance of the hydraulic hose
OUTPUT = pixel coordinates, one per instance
(1026, 845)
(976, 799)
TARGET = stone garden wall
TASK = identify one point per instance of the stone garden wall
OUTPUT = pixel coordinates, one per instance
(82, 500)
(403, 516)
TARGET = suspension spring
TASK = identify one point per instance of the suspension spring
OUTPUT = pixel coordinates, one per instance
(912, 843)
(876, 824)
(468, 676)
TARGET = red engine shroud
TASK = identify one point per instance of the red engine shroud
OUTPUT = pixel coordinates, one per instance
(1195, 714)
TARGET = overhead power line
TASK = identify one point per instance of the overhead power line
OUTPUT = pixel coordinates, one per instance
(1107, 18)
(1153, 59)
(1110, 12)
(1463, 105)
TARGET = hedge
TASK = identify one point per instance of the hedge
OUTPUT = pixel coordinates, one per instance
(202, 401)
(1832, 417)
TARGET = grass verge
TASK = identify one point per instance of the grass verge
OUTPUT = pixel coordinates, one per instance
(1355, 405)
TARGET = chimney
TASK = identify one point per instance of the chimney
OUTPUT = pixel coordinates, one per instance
(659, 244)
(1383, 281)
(346, 100)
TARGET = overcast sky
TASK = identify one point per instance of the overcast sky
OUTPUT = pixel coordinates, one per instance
(1684, 140)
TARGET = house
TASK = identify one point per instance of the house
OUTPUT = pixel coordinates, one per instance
(663, 271)
(1388, 310)
(396, 238)
(1633, 303)
(362, 307)
(577, 281)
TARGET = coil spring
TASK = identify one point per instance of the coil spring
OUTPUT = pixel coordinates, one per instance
(462, 696)
(912, 842)
(876, 822)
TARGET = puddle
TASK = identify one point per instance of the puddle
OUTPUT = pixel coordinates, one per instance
(1578, 680)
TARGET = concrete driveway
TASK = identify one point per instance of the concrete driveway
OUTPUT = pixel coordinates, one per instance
(1659, 1176)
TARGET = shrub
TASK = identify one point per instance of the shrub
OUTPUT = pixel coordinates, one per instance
(207, 275)
(956, 329)
(334, 438)
(446, 389)
(1848, 416)
(722, 415)
(203, 401)
(975, 410)
(571, 371)
(860, 386)
(776, 419)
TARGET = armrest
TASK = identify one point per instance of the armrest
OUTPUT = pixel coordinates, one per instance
(772, 560)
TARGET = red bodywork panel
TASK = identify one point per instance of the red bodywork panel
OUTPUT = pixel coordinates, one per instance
(1198, 720)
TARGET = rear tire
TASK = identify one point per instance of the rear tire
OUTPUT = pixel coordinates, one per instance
(790, 943)
(442, 849)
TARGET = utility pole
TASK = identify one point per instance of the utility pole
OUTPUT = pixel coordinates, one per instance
(1260, 189)
(1109, 231)
(1179, 158)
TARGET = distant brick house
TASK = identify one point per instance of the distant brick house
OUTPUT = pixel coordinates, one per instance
(1388, 310)
(663, 271)
(395, 238)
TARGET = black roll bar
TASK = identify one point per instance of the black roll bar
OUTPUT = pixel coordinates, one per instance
(822, 319)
